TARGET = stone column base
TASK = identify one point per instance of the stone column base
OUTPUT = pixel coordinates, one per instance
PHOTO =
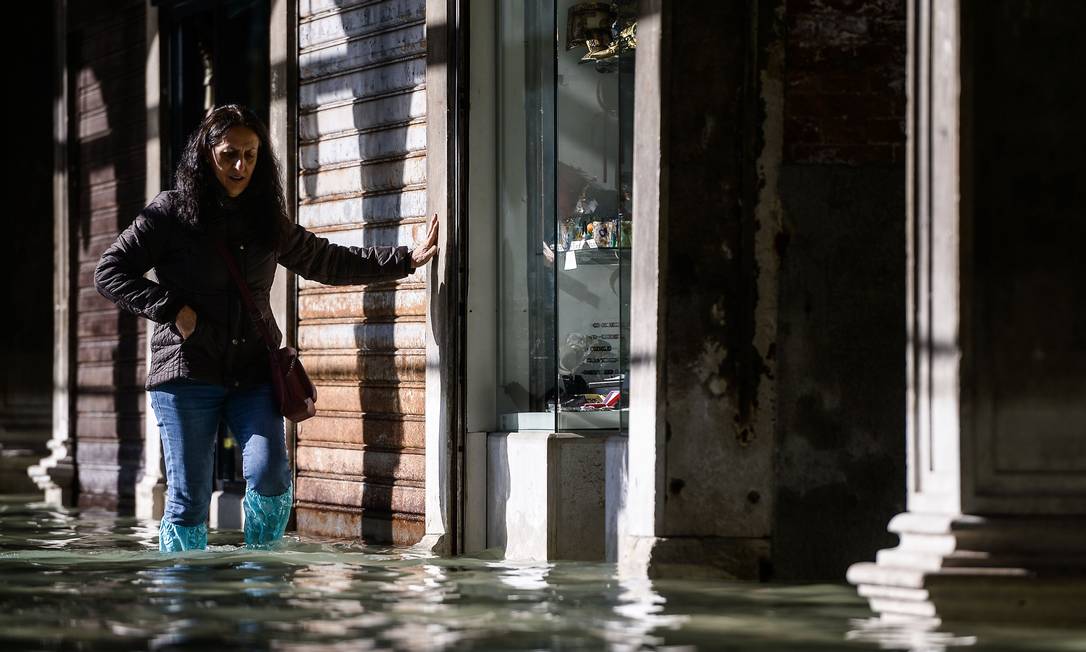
(971, 568)
(545, 495)
(55, 476)
(226, 512)
(435, 544)
(151, 498)
(725, 558)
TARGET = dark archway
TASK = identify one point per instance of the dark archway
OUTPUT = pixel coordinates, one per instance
(26, 334)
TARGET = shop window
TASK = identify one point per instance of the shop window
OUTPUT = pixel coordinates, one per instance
(564, 183)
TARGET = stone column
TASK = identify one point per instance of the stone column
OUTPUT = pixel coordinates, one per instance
(151, 486)
(283, 131)
(996, 520)
(699, 487)
(445, 137)
(55, 474)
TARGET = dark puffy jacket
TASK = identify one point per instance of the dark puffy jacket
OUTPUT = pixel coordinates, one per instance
(225, 348)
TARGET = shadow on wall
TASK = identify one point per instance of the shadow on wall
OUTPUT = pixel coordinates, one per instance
(841, 328)
(841, 367)
(362, 146)
(107, 169)
(26, 338)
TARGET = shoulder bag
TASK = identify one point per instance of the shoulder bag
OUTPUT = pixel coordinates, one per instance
(294, 392)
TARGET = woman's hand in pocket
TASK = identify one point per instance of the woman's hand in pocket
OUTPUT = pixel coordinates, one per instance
(185, 322)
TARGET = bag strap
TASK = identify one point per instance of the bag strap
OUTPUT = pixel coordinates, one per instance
(246, 296)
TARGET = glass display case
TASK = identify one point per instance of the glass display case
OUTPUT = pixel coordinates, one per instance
(564, 184)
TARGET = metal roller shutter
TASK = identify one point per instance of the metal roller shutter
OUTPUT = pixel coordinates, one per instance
(107, 174)
(362, 181)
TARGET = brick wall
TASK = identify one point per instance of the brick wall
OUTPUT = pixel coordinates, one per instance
(844, 81)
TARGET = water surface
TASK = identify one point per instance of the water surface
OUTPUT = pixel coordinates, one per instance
(91, 581)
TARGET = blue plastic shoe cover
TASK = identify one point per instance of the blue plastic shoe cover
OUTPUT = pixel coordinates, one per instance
(266, 516)
(178, 538)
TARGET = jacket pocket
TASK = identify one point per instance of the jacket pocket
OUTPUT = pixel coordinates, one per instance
(165, 335)
(203, 342)
(195, 334)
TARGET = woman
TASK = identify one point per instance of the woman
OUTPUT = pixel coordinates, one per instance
(208, 361)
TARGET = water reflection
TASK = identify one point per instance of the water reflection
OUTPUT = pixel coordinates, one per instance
(917, 635)
(522, 576)
(91, 581)
(644, 610)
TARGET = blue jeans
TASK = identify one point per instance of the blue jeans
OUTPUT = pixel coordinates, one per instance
(188, 415)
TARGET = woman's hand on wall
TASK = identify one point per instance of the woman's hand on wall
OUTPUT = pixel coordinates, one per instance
(185, 321)
(428, 249)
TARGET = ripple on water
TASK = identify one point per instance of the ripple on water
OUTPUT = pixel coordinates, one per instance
(89, 580)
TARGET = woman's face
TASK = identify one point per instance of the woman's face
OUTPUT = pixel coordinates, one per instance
(234, 158)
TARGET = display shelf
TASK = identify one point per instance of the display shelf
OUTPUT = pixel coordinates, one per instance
(598, 255)
(594, 420)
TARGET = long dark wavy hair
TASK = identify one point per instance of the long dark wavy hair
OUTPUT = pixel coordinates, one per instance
(200, 192)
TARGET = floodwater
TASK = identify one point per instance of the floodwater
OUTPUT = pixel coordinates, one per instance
(91, 581)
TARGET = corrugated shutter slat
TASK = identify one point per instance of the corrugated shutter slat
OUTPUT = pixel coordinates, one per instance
(362, 181)
(108, 172)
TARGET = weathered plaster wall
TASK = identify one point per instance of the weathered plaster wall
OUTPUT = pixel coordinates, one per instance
(841, 368)
(782, 245)
(841, 323)
(772, 442)
(717, 469)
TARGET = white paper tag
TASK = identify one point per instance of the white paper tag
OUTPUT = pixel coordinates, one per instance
(576, 245)
(571, 260)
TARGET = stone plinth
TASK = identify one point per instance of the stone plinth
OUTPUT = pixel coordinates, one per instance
(546, 495)
(970, 568)
(226, 512)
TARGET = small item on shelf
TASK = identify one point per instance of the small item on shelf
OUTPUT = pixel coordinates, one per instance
(587, 21)
(574, 403)
(608, 403)
(576, 231)
(581, 224)
(625, 234)
(601, 233)
(623, 226)
(605, 29)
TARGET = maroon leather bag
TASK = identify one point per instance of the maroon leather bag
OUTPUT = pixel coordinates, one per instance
(294, 392)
